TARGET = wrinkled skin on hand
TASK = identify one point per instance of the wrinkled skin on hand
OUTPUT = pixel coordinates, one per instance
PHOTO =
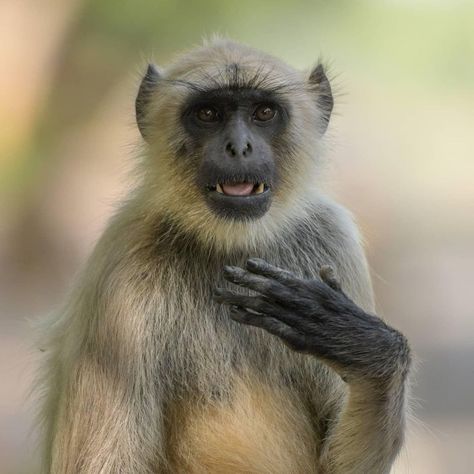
(313, 316)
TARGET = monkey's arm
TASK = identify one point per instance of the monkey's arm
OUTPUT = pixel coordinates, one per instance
(102, 409)
(316, 317)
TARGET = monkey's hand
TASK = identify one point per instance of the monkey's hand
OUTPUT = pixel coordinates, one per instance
(316, 317)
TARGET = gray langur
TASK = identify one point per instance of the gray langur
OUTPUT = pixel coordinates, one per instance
(225, 320)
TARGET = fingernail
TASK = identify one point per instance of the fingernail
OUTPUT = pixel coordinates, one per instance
(233, 271)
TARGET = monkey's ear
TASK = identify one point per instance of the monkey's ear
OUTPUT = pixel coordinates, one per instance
(320, 83)
(147, 86)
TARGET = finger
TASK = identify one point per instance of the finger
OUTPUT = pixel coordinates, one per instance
(272, 325)
(261, 284)
(224, 296)
(261, 267)
(258, 304)
(328, 275)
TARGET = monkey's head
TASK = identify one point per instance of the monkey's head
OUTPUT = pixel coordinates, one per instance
(232, 139)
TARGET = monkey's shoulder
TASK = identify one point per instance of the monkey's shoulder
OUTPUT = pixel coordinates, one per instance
(334, 224)
(326, 231)
(328, 235)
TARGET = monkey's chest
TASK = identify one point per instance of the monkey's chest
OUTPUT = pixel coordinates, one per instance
(261, 430)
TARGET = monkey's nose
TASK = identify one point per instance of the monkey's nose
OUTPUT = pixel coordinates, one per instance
(243, 149)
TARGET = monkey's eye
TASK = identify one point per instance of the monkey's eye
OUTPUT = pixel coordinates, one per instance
(207, 114)
(264, 112)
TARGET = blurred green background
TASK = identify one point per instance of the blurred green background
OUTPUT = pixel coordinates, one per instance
(401, 158)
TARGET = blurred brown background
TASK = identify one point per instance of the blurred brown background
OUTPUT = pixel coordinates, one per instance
(402, 146)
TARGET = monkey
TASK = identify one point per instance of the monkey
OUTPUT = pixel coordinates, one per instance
(225, 321)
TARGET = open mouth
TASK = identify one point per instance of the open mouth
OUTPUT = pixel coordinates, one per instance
(240, 189)
(239, 198)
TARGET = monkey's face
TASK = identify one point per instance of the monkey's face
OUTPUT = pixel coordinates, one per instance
(235, 133)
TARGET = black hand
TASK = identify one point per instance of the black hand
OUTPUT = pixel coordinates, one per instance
(313, 316)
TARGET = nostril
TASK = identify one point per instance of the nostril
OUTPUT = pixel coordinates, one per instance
(230, 149)
(240, 150)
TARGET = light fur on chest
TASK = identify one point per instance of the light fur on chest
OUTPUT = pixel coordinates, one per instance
(261, 430)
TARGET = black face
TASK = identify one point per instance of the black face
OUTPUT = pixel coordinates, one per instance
(233, 131)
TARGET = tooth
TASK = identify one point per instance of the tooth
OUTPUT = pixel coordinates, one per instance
(259, 189)
(219, 189)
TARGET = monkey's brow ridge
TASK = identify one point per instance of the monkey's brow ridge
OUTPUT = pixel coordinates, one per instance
(222, 81)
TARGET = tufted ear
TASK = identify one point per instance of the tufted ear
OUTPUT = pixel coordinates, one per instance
(320, 84)
(147, 86)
